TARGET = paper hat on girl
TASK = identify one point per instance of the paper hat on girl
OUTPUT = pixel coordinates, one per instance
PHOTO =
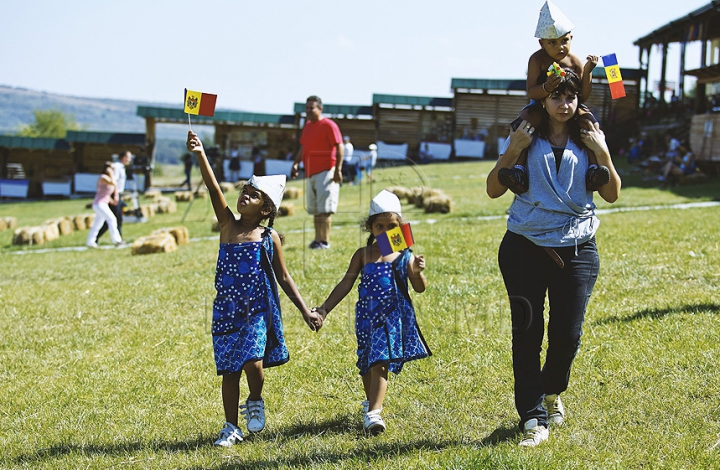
(385, 202)
(272, 185)
(552, 23)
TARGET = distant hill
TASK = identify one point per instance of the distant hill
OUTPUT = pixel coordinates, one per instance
(93, 114)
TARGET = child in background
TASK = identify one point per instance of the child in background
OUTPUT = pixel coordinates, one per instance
(247, 327)
(553, 30)
(385, 325)
(106, 193)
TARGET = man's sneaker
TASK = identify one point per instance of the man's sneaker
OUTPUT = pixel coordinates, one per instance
(597, 177)
(315, 245)
(365, 407)
(92, 245)
(324, 245)
(373, 424)
(534, 434)
(229, 435)
(555, 409)
(254, 412)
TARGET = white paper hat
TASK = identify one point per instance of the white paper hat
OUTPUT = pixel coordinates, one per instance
(385, 202)
(272, 185)
(552, 23)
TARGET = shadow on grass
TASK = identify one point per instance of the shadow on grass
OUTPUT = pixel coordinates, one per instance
(656, 313)
(367, 449)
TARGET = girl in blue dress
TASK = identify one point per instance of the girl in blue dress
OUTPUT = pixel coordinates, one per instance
(247, 327)
(386, 329)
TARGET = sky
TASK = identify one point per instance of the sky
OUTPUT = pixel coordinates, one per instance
(264, 56)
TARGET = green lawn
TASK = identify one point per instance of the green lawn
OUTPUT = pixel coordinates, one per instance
(106, 358)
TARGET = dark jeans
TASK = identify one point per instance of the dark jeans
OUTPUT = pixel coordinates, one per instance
(117, 210)
(529, 273)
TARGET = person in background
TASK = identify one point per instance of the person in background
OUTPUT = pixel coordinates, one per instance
(187, 160)
(321, 152)
(105, 194)
(370, 161)
(350, 167)
(117, 207)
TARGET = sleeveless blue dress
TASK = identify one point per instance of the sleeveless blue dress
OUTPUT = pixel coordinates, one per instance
(246, 323)
(386, 328)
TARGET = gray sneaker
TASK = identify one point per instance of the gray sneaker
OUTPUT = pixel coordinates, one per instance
(555, 409)
(229, 435)
(534, 434)
(254, 412)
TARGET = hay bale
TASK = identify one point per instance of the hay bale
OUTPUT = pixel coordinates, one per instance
(183, 196)
(438, 203)
(286, 208)
(180, 234)
(424, 194)
(152, 194)
(64, 226)
(79, 222)
(148, 210)
(239, 184)
(292, 193)
(89, 220)
(201, 193)
(166, 206)
(158, 243)
(416, 193)
(215, 227)
(50, 232)
(11, 222)
(226, 187)
(29, 236)
(400, 191)
(3, 224)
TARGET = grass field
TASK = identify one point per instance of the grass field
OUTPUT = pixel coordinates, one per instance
(106, 358)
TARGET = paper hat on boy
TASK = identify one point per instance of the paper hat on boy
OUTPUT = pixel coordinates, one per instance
(272, 185)
(385, 202)
(552, 23)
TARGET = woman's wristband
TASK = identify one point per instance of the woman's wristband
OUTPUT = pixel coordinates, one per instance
(543, 85)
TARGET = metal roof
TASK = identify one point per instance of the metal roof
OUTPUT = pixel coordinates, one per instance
(335, 109)
(685, 28)
(105, 138)
(412, 100)
(15, 142)
(488, 84)
(235, 117)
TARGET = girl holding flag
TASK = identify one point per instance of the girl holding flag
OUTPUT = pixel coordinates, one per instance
(385, 324)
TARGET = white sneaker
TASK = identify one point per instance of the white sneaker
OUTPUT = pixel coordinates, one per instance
(534, 434)
(91, 245)
(229, 435)
(372, 422)
(254, 412)
(555, 409)
(365, 407)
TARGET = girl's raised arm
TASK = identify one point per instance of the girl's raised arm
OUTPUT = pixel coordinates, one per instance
(222, 212)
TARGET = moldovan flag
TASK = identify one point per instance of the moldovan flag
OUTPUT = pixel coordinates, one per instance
(396, 239)
(198, 103)
(612, 70)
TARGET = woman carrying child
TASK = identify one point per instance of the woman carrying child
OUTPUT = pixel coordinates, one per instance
(105, 194)
(386, 329)
(247, 327)
(549, 249)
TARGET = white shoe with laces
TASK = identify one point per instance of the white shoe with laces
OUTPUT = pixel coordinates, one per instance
(229, 435)
(372, 422)
(534, 434)
(254, 412)
(555, 409)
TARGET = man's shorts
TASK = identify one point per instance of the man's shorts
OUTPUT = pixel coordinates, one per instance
(322, 193)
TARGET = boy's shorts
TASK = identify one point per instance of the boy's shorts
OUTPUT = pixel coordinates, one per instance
(322, 193)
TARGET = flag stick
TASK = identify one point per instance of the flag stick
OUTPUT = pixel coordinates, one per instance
(189, 124)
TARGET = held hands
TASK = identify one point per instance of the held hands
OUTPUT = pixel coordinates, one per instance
(193, 143)
(313, 320)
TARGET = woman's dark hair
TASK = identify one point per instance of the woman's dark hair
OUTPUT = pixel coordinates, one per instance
(368, 222)
(570, 84)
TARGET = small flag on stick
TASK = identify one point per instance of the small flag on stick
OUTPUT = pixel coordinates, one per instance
(612, 70)
(396, 239)
(198, 103)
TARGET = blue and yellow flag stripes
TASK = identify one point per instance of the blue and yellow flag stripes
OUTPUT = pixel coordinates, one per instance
(612, 70)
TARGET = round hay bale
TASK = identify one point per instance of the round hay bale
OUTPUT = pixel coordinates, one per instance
(50, 232)
(180, 234)
(89, 219)
(400, 191)
(166, 206)
(158, 243)
(79, 222)
(3, 224)
(183, 196)
(148, 210)
(292, 193)
(438, 203)
(285, 209)
(152, 194)
(226, 187)
(29, 236)
(201, 193)
(65, 226)
(11, 222)
(426, 193)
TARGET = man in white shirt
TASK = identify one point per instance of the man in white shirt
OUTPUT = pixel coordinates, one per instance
(350, 163)
(120, 178)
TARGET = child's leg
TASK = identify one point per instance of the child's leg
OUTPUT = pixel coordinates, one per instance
(255, 378)
(375, 385)
(231, 396)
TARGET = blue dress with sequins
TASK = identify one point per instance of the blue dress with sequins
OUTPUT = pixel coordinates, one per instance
(246, 323)
(385, 324)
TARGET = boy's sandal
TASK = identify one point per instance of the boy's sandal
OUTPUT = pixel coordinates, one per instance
(513, 179)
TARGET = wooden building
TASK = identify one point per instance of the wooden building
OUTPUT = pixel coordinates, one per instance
(701, 25)
(355, 121)
(26, 163)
